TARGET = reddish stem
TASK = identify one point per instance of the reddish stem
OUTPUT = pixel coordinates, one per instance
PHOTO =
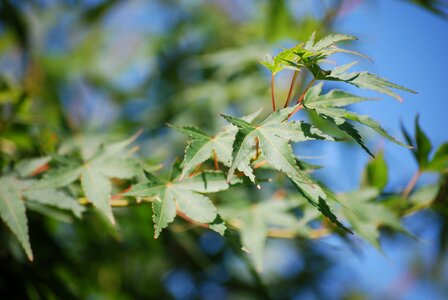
(291, 88)
(119, 195)
(302, 96)
(260, 164)
(41, 169)
(295, 111)
(410, 186)
(306, 90)
(272, 91)
(185, 217)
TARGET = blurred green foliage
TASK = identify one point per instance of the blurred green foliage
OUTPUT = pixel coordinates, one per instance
(76, 75)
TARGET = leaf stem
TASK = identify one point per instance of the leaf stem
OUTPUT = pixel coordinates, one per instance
(302, 96)
(185, 217)
(300, 100)
(260, 164)
(40, 169)
(272, 91)
(291, 88)
(411, 184)
(257, 149)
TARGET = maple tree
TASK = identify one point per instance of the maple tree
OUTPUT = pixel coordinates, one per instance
(241, 177)
(242, 147)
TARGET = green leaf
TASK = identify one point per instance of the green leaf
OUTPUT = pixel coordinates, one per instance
(281, 61)
(164, 211)
(335, 98)
(439, 162)
(59, 177)
(97, 189)
(116, 167)
(94, 174)
(196, 206)
(362, 80)
(274, 135)
(111, 150)
(12, 211)
(348, 128)
(257, 220)
(253, 236)
(367, 215)
(375, 174)
(56, 199)
(423, 198)
(328, 108)
(28, 166)
(423, 145)
(328, 41)
(185, 195)
(201, 146)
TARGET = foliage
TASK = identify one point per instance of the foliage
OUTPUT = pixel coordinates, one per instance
(252, 144)
(244, 181)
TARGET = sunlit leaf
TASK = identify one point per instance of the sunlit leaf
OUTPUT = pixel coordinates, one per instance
(12, 211)
(182, 195)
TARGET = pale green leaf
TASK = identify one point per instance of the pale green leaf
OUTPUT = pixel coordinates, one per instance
(253, 237)
(59, 178)
(12, 212)
(364, 80)
(26, 167)
(328, 41)
(116, 167)
(195, 206)
(334, 98)
(56, 199)
(113, 149)
(97, 189)
(367, 215)
(423, 197)
(183, 194)
(164, 211)
(328, 107)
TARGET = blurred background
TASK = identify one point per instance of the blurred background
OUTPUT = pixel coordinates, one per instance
(108, 68)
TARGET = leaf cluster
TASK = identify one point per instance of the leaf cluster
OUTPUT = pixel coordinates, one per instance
(250, 151)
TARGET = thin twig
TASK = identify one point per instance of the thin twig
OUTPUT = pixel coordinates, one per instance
(291, 88)
(306, 90)
(295, 111)
(302, 96)
(411, 184)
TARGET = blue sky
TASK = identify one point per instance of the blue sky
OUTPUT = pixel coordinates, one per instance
(408, 46)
